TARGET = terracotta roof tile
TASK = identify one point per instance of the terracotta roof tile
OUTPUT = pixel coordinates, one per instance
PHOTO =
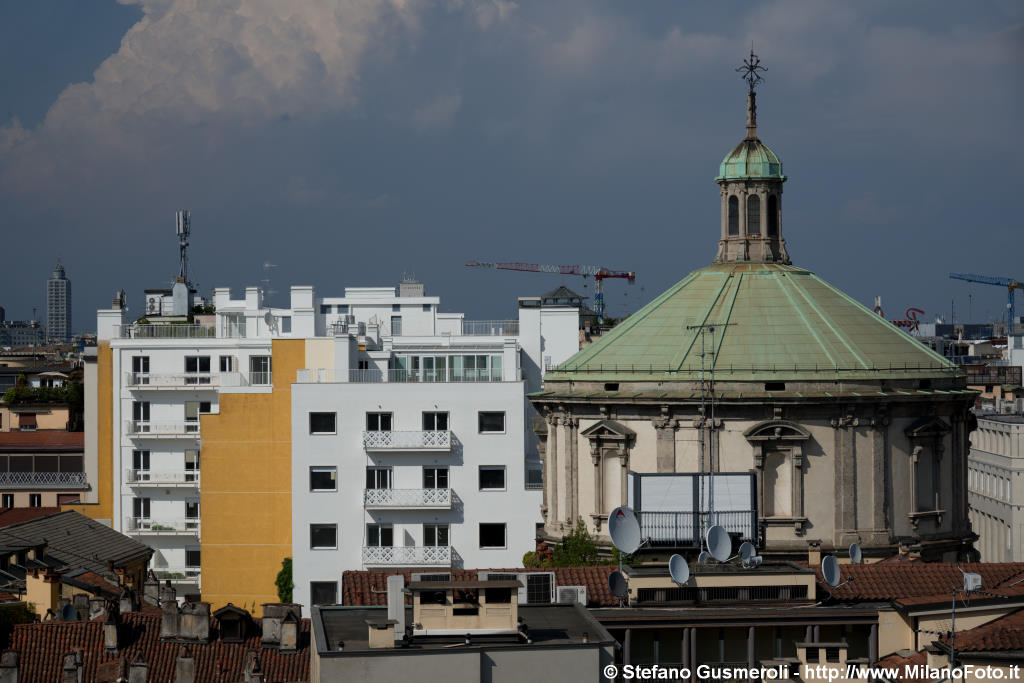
(904, 663)
(920, 582)
(368, 587)
(10, 516)
(41, 648)
(42, 440)
(1006, 633)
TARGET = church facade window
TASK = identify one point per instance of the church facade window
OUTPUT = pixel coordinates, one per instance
(753, 215)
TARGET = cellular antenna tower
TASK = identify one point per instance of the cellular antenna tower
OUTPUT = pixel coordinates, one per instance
(183, 227)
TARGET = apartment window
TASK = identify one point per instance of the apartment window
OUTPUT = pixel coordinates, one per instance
(363, 364)
(191, 465)
(492, 535)
(197, 365)
(204, 407)
(7, 500)
(435, 535)
(395, 308)
(192, 513)
(378, 477)
(192, 557)
(323, 536)
(492, 477)
(228, 364)
(325, 309)
(435, 477)
(140, 413)
(259, 370)
(323, 592)
(343, 308)
(286, 324)
(140, 463)
(140, 369)
(191, 416)
(140, 508)
(491, 422)
(378, 422)
(323, 478)
(435, 422)
(35, 500)
(323, 423)
(396, 326)
(380, 535)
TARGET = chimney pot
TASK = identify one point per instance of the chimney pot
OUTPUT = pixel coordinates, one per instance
(9, 667)
(138, 671)
(184, 666)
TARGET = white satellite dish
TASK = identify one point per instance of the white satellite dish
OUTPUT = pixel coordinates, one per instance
(69, 613)
(678, 569)
(624, 530)
(617, 584)
(719, 543)
(703, 557)
(747, 552)
(755, 561)
(856, 556)
(830, 570)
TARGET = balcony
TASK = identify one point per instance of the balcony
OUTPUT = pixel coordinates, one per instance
(412, 499)
(167, 332)
(177, 574)
(683, 529)
(372, 376)
(146, 429)
(490, 328)
(43, 480)
(407, 556)
(192, 381)
(188, 478)
(408, 441)
(145, 526)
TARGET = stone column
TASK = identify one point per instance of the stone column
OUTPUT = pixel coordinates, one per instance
(595, 458)
(759, 475)
(574, 457)
(750, 647)
(623, 467)
(882, 512)
(845, 516)
(551, 477)
(665, 441)
(686, 648)
(796, 454)
(627, 647)
(873, 644)
(693, 652)
(570, 480)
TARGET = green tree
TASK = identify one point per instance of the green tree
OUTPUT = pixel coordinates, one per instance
(284, 581)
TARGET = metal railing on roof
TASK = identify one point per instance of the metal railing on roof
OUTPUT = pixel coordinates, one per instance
(723, 369)
(492, 328)
(683, 529)
(373, 376)
(167, 331)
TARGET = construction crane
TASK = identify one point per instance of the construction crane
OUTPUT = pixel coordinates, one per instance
(1010, 284)
(599, 274)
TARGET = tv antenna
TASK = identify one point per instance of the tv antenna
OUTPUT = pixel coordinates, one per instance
(183, 228)
(267, 291)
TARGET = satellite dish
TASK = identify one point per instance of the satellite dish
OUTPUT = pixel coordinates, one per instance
(69, 613)
(624, 530)
(703, 557)
(678, 569)
(830, 570)
(747, 552)
(855, 554)
(756, 561)
(719, 543)
(617, 584)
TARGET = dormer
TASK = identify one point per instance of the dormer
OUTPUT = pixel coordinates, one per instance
(235, 623)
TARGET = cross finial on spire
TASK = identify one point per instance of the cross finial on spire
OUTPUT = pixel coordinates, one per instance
(750, 68)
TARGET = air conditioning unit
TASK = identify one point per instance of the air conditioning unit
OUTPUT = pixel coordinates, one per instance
(570, 594)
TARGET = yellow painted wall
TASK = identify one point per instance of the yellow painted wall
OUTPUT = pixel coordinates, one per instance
(41, 594)
(245, 498)
(104, 507)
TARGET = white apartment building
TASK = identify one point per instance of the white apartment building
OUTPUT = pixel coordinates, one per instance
(412, 437)
(411, 440)
(995, 486)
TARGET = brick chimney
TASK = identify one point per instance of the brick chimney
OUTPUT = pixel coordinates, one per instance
(138, 671)
(72, 668)
(289, 633)
(170, 622)
(253, 672)
(9, 667)
(185, 666)
(195, 621)
(111, 629)
(81, 602)
(128, 601)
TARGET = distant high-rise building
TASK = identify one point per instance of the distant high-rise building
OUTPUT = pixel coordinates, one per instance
(58, 305)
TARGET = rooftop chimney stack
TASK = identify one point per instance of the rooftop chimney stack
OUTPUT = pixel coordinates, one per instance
(185, 666)
(273, 617)
(72, 669)
(9, 667)
(195, 621)
(289, 633)
(170, 622)
(138, 671)
(253, 671)
(127, 601)
(81, 603)
(396, 603)
(111, 629)
(97, 607)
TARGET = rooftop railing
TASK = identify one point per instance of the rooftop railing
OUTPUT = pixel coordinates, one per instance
(372, 376)
(167, 331)
(43, 480)
(490, 328)
(684, 528)
(407, 556)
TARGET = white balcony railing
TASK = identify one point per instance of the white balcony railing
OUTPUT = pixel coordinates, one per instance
(407, 556)
(490, 328)
(182, 380)
(147, 428)
(408, 498)
(43, 480)
(177, 574)
(408, 441)
(163, 478)
(167, 331)
(372, 376)
(146, 525)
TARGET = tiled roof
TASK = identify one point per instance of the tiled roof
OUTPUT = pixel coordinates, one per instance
(41, 648)
(906, 665)
(921, 582)
(56, 440)
(1006, 633)
(368, 587)
(10, 516)
(77, 541)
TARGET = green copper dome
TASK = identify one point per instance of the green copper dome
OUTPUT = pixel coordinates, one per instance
(750, 159)
(773, 322)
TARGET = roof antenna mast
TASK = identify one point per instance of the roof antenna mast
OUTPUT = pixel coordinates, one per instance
(183, 228)
(750, 73)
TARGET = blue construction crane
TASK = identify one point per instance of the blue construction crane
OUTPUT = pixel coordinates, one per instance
(1010, 284)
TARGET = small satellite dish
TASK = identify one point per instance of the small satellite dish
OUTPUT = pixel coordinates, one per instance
(756, 561)
(617, 584)
(624, 530)
(268, 318)
(747, 552)
(703, 557)
(830, 570)
(719, 543)
(69, 613)
(855, 554)
(678, 569)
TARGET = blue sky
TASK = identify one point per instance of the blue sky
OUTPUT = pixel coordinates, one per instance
(351, 142)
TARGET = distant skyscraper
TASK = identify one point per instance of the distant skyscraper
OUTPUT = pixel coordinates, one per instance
(58, 305)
